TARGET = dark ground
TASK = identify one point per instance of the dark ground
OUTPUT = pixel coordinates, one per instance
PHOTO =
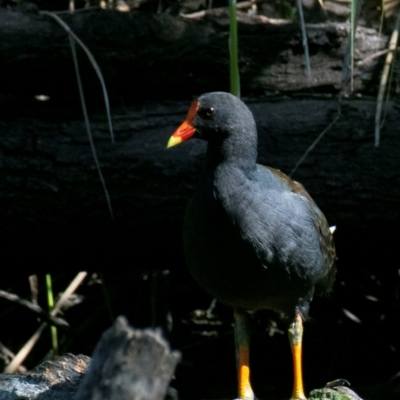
(364, 348)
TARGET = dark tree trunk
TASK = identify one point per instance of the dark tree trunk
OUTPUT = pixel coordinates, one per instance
(52, 380)
(129, 364)
(52, 202)
(145, 56)
(126, 364)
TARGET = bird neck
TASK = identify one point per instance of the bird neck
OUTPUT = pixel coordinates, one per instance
(232, 187)
(240, 156)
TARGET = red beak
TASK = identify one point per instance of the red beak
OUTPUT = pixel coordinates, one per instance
(186, 130)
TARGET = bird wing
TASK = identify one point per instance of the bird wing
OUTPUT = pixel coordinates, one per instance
(327, 246)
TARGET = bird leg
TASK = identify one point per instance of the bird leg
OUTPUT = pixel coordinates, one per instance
(242, 352)
(295, 338)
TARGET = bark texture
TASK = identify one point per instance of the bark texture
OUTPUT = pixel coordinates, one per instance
(145, 56)
(58, 379)
(52, 201)
(52, 204)
(126, 364)
(129, 364)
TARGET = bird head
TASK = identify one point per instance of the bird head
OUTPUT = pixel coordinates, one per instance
(219, 118)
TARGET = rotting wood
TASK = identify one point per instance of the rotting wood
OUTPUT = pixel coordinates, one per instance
(162, 56)
(58, 379)
(126, 364)
(129, 364)
(52, 203)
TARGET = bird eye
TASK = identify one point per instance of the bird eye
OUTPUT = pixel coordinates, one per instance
(207, 112)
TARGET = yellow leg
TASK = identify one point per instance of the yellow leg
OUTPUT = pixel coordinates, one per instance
(295, 339)
(242, 348)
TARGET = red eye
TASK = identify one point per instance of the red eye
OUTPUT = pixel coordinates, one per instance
(207, 112)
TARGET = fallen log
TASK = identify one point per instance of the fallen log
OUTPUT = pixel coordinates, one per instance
(53, 205)
(126, 364)
(146, 56)
(129, 364)
(58, 379)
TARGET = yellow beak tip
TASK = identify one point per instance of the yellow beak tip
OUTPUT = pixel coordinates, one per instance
(173, 141)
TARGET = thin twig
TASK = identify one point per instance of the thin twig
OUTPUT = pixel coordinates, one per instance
(33, 283)
(87, 125)
(68, 292)
(92, 61)
(240, 6)
(26, 349)
(8, 355)
(33, 307)
(384, 78)
(320, 136)
(73, 38)
(372, 57)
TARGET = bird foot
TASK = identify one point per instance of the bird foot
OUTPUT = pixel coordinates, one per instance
(300, 397)
(247, 396)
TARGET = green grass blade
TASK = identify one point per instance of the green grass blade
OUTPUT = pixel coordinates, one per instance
(73, 38)
(384, 79)
(92, 61)
(348, 62)
(28, 346)
(50, 302)
(233, 50)
(87, 124)
(304, 37)
(352, 36)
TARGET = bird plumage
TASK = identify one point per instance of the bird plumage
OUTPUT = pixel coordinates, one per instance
(253, 237)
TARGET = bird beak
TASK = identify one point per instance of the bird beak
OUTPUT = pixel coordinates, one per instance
(186, 130)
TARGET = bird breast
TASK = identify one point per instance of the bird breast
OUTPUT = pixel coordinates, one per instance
(245, 241)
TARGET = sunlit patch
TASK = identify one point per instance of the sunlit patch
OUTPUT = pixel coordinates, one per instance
(371, 298)
(42, 97)
(351, 316)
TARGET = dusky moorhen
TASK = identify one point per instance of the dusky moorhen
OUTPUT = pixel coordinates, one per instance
(253, 237)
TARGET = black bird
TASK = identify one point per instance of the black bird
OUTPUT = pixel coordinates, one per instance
(253, 238)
